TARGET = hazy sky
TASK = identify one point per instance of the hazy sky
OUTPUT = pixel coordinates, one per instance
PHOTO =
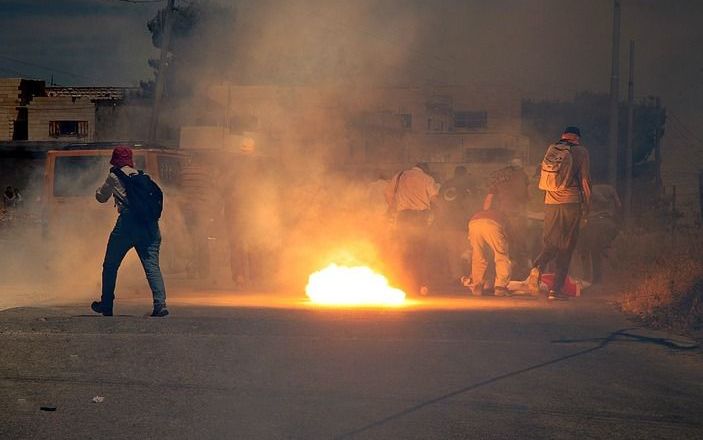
(542, 47)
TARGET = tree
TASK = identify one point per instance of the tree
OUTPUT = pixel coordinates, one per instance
(200, 34)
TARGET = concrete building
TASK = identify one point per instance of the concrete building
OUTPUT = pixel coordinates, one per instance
(31, 111)
(121, 114)
(61, 118)
(370, 126)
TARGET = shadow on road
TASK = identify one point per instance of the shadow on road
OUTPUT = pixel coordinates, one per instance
(602, 343)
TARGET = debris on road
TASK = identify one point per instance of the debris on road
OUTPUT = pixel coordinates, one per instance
(98, 399)
(47, 408)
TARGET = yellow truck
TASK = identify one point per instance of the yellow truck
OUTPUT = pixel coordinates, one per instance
(76, 224)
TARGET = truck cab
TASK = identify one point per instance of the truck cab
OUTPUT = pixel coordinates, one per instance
(71, 177)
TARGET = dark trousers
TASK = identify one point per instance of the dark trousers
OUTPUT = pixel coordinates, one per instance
(146, 239)
(412, 230)
(561, 231)
(596, 237)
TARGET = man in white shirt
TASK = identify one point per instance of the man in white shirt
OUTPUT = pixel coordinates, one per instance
(410, 195)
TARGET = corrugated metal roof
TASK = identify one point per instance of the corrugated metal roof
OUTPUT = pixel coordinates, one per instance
(93, 93)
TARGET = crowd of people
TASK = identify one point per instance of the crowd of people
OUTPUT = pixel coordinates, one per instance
(481, 234)
(475, 235)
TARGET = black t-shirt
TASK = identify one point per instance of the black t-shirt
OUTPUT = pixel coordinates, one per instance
(458, 201)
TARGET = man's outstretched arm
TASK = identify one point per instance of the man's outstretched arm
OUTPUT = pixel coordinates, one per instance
(103, 193)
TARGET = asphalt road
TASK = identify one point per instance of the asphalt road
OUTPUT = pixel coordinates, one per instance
(458, 368)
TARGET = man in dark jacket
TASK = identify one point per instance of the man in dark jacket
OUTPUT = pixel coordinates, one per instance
(601, 229)
(456, 202)
(508, 193)
(563, 210)
(129, 232)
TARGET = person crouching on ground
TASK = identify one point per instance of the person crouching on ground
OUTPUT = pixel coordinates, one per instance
(135, 228)
(489, 242)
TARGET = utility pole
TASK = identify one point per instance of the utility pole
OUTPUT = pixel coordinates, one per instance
(161, 77)
(658, 153)
(630, 134)
(614, 83)
(700, 194)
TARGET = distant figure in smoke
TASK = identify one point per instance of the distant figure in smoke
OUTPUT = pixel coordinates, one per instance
(508, 193)
(566, 179)
(251, 214)
(137, 199)
(456, 203)
(10, 198)
(410, 195)
(600, 230)
(197, 187)
(18, 197)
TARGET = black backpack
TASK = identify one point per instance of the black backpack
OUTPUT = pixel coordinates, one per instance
(145, 200)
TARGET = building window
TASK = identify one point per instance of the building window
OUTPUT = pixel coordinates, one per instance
(406, 120)
(68, 128)
(469, 120)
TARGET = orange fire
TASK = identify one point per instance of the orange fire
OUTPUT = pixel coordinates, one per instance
(352, 286)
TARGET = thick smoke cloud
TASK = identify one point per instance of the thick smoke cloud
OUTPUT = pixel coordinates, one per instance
(461, 41)
(543, 49)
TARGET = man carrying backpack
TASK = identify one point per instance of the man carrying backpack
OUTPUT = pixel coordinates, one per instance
(139, 201)
(565, 178)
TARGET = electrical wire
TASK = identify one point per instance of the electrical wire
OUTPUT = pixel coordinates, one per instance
(13, 72)
(47, 68)
(691, 133)
(140, 1)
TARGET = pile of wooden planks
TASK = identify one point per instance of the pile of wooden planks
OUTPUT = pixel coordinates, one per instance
(10, 99)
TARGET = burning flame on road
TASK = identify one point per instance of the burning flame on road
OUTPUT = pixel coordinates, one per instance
(352, 286)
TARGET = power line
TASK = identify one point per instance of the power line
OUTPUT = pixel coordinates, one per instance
(47, 68)
(12, 72)
(140, 1)
(690, 132)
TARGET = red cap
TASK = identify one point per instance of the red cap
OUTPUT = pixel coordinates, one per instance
(122, 156)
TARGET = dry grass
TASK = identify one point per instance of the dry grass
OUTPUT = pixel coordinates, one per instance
(662, 276)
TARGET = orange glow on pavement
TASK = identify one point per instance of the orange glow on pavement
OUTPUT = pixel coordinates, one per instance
(352, 286)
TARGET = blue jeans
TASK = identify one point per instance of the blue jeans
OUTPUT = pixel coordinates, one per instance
(146, 239)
